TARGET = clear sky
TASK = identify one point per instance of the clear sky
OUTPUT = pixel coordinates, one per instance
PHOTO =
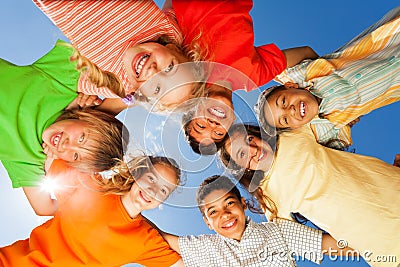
(27, 34)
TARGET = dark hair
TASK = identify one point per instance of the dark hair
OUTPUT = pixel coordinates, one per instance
(197, 146)
(250, 179)
(221, 182)
(113, 137)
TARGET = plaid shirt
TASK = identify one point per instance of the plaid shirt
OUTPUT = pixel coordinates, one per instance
(264, 244)
(359, 77)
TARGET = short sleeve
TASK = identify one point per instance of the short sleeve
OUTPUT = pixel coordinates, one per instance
(193, 249)
(302, 241)
(24, 174)
(225, 27)
(158, 252)
(328, 134)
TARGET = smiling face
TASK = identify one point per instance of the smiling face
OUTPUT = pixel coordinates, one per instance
(212, 119)
(224, 213)
(250, 152)
(150, 190)
(156, 71)
(69, 140)
(290, 108)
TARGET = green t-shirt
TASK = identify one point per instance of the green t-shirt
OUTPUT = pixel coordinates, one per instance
(32, 98)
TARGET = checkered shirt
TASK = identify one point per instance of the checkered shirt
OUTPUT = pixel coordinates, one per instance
(264, 244)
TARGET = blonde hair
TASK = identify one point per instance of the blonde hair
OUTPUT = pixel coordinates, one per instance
(97, 76)
(111, 140)
(123, 175)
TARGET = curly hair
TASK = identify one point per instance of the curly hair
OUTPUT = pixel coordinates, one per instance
(111, 140)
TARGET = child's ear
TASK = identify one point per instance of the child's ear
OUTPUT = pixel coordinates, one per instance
(244, 204)
(291, 85)
(206, 222)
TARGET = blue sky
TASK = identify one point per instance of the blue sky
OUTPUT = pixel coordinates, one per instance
(27, 34)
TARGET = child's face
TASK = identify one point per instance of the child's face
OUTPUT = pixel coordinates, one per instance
(68, 140)
(152, 188)
(249, 151)
(291, 108)
(155, 70)
(224, 213)
(213, 117)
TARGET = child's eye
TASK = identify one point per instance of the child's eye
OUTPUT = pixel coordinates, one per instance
(151, 178)
(200, 126)
(283, 102)
(164, 191)
(169, 68)
(81, 138)
(230, 203)
(250, 138)
(76, 156)
(157, 90)
(285, 120)
(219, 134)
(211, 213)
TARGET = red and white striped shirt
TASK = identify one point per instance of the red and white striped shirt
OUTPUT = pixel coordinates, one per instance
(102, 31)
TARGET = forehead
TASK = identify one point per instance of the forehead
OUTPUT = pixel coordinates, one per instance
(166, 174)
(216, 198)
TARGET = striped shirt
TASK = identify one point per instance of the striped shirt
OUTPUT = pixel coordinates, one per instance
(103, 31)
(265, 244)
(359, 77)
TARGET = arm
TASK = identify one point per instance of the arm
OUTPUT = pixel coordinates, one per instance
(41, 201)
(297, 54)
(167, 5)
(112, 106)
(331, 246)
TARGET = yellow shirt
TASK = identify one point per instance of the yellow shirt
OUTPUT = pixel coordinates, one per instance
(353, 197)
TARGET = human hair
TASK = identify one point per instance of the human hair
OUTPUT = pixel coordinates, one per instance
(197, 146)
(221, 182)
(250, 179)
(124, 174)
(97, 76)
(111, 140)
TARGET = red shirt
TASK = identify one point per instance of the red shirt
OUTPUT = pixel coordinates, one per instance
(226, 27)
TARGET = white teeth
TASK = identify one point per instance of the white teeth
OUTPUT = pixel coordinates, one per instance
(302, 109)
(140, 64)
(216, 112)
(261, 155)
(229, 224)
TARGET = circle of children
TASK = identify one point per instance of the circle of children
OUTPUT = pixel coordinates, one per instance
(133, 53)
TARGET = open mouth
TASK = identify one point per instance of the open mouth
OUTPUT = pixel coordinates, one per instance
(229, 224)
(140, 63)
(55, 139)
(302, 109)
(144, 197)
(217, 112)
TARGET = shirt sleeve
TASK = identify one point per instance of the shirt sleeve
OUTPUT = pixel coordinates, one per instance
(158, 252)
(23, 174)
(193, 249)
(302, 241)
(225, 27)
(327, 133)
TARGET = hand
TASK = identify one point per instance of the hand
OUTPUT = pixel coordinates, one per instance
(354, 122)
(397, 161)
(88, 100)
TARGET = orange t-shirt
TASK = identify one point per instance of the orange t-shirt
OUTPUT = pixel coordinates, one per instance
(89, 229)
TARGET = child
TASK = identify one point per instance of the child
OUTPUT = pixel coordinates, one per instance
(32, 99)
(225, 30)
(241, 242)
(129, 41)
(341, 87)
(99, 222)
(333, 189)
